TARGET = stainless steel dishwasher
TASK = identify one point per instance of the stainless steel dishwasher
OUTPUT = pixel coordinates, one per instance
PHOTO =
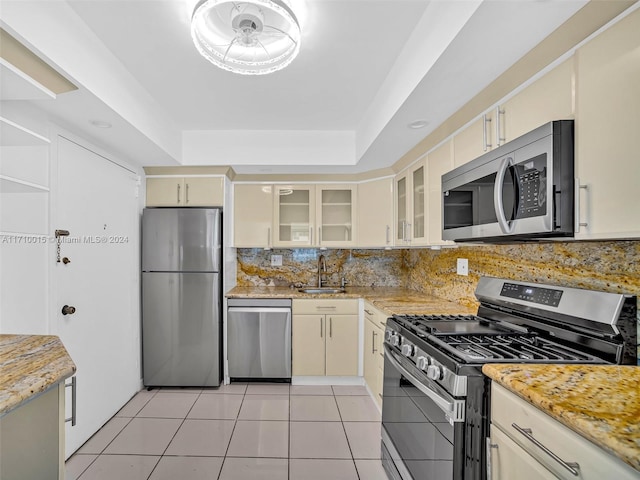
(259, 339)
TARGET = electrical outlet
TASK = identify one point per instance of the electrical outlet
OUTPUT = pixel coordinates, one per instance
(463, 266)
(276, 260)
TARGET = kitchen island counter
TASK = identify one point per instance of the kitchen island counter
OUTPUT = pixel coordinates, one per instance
(600, 402)
(30, 365)
(391, 300)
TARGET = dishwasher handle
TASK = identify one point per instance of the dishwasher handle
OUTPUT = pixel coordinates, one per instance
(258, 310)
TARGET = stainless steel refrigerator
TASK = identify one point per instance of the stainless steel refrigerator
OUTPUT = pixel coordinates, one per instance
(181, 297)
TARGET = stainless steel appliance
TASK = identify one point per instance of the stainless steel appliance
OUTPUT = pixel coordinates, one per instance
(181, 296)
(259, 339)
(436, 400)
(521, 190)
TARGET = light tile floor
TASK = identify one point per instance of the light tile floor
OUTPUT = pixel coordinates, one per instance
(237, 432)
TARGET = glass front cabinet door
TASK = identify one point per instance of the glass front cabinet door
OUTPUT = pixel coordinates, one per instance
(336, 215)
(294, 215)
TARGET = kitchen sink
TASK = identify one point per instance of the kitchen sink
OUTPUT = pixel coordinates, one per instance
(322, 290)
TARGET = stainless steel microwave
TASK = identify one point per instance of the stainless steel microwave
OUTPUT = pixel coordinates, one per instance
(523, 190)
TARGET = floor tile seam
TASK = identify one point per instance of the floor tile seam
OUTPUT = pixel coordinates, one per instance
(347, 438)
(144, 405)
(110, 441)
(87, 467)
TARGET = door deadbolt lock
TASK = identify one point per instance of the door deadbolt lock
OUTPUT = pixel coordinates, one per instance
(68, 310)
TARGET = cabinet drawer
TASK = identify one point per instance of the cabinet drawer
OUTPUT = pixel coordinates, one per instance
(342, 306)
(508, 411)
(376, 316)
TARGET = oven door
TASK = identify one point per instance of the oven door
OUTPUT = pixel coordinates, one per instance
(422, 425)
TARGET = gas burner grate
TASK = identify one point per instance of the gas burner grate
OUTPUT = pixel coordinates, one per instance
(505, 347)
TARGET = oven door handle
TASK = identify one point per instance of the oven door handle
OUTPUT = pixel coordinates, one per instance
(453, 409)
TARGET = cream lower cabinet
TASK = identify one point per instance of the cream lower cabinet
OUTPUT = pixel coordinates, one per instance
(252, 215)
(185, 191)
(324, 337)
(32, 438)
(374, 325)
(607, 126)
(516, 424)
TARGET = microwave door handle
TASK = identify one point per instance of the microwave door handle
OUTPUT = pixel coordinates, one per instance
(497, 196)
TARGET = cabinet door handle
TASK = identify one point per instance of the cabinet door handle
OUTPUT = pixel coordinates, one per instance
(404, 234)
(387, 237)
(577, 189)
(178, 193)
(367, 312)
(269, 237)
(320, 327)
(485, 140)
(319, 235)
(373, 342)
(499, 139)
(572, 467)
(408, 239)
(186, 193)
(72, 418)
(489, 447)
(310, 235)
(330, 327)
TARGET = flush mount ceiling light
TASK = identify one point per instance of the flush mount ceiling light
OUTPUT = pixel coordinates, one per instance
(248, 37)
(417, 124)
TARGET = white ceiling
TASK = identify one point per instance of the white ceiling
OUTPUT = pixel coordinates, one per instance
(366, 69)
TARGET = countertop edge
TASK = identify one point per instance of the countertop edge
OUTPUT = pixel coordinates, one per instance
(19, 383)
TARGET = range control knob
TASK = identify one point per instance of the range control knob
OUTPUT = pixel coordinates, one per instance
(434, 372)
(408, 350)
(388, 334)
(395, 339)
(422, 363)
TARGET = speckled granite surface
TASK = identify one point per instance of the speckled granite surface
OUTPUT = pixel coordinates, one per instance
(600, 402)
(30, 364)
(388, 299)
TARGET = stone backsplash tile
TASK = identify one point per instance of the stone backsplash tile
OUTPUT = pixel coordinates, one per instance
(362, 268)
(607, 266)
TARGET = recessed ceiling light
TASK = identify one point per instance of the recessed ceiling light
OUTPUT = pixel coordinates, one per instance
(416, 124)
(100, 123)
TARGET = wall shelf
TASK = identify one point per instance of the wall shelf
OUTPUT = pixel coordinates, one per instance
(17, 85)
(15, 185)
(13, 135)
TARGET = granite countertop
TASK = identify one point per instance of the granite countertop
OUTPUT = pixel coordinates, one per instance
(600, 402)
(29, 365)
(391, 300)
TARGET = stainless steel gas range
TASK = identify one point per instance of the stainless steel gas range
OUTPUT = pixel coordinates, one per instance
(435, 398)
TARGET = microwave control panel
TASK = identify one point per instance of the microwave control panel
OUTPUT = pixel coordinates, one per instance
(532, 185)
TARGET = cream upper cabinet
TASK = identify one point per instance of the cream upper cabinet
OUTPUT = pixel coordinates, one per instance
(315, 215)
(336, 215)
(607, 132)
(411, 206)
(375, 213)
(549, 98)
(252, 215)
(294, 215)
(475, 140)
(185, 191)
(439, 162)
(324, 337)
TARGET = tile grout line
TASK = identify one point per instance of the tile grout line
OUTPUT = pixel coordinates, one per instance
(235, 423)
(345, 434)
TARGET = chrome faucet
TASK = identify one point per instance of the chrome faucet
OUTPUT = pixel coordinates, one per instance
(322, 267)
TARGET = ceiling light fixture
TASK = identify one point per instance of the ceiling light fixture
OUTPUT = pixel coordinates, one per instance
(100, 123)
(253, 37)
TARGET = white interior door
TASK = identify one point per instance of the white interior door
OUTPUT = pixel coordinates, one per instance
(96, 202)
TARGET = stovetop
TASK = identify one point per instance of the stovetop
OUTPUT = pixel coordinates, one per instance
(472, 339)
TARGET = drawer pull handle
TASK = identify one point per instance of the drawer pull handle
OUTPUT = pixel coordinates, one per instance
(367, 312)
(528, 434)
